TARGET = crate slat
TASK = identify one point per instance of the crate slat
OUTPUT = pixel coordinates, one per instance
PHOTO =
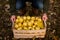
(29, 33)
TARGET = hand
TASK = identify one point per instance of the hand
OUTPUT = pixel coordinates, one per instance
(44, 17)
(13, 18)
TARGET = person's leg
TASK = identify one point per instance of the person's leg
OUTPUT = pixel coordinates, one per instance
(38, 4)
(20, 4)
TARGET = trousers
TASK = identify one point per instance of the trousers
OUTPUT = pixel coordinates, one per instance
(35, 3)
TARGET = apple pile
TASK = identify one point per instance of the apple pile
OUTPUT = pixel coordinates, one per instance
(28, 23)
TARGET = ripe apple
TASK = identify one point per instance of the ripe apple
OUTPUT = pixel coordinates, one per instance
(32, 18)
(16, 26)
(18, 17)
(36, 18)
(19, 24)
(32, 21)
(25, 24)
(25, 28)
(40, 20)
(24, 18)
(20, 28)
(35, 23)
(28, 17)
(29, 28)
(29, 24)
(17, 21)
(21, 20)
(34, 26)
(37, 28)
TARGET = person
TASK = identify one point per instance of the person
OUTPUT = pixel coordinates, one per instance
(37, 4)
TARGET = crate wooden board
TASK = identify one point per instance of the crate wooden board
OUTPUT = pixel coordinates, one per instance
(29, 33)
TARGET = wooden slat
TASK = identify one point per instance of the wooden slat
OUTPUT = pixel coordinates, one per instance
(29, 33)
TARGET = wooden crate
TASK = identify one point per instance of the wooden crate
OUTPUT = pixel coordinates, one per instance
(29, 33)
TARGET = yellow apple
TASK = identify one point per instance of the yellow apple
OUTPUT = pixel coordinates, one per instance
(27, 21)
(29, 28)
(16, 26)
(20, 28)
(32, 18)
(40, 20)
(21, 20)
(19, 24)
(25, 24)
(41, 25)
(24, 18)
(37, 28)
(35, 23)
(34, 26)
(25, 28)
(36, 18)
(28, 17)
(17, 21)
(18, 17)
(29, 24)
(32, 21)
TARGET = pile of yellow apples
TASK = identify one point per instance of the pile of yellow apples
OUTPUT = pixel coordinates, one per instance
(28, 23)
